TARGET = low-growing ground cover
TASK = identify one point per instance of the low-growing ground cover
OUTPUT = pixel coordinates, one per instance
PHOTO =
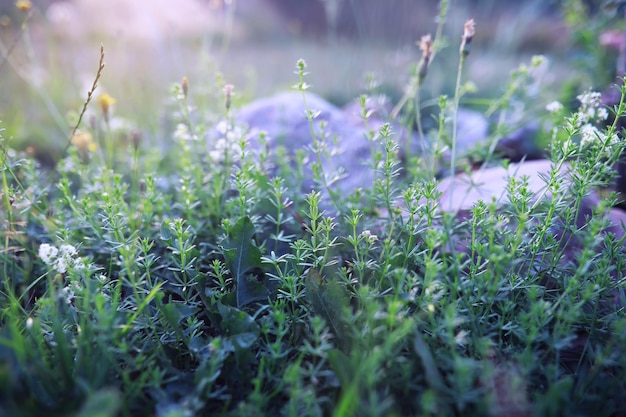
(208, 275)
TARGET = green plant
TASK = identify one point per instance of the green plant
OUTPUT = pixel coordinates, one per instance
(204, 283)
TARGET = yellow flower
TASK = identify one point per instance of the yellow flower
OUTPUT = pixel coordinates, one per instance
(23, 6)
(84, 142)
(106, 101)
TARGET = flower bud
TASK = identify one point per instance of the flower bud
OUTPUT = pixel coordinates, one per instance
(425, 45)
(185, 86)
(106, 102)
(469, 30)
(228, 92)
(23, 6)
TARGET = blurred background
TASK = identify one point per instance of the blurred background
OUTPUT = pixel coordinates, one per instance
(350, 47)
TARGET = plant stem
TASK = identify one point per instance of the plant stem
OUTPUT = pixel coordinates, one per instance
(457, 99)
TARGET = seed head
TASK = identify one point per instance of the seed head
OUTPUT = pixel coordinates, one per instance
(135, 139)
(185, 86)
(228, 92)
(469, 30)
(84, 142)
(426, 46)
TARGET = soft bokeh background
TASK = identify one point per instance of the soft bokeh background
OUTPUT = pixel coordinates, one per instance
(254, 44)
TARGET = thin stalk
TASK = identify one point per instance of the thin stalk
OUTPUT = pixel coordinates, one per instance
(457, 99)
(418, 123)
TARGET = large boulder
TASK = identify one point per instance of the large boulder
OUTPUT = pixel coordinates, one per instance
(460, 193)
(283, 117)
(347, 157)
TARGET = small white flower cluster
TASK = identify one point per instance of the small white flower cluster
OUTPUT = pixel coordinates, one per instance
(368, 237)
(590, 112)
(62, 258)
(591, 108)
(590, 134)
(182, 133)
(554, 107)
(226, 143)
(67, 294)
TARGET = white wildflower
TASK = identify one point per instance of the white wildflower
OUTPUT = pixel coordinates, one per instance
(233, 135)
(609, 142)
(554, 107)
(369, 237)
(461, 337)
(222, 127)
(67, 251)
(227, 143)
(614, 140)
(589, 134)
(590, 98)
(434, 290)
(79, 264)
(591, 107)
(68, 294)
(182, 133)
(61, 259)
(47, 253)
(587, 113)
(61, 264)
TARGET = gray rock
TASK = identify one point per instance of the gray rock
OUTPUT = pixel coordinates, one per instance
(347, 165)
(472, 130)
(521, 144)
(460, 194)
(283, 118)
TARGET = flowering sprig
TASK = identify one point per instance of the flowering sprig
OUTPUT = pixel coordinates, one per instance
(61, 259)
(554, 107)
(591, 113)
(585, 122)
(227, 143)
(591, 108)
(426, 46)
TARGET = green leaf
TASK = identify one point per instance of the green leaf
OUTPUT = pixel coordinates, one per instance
(243, 259)
(433, 376)
(239, 328)
(329, 301)
(166, 231)
(103, 403)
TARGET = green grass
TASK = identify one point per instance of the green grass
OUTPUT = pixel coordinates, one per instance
(161, 274)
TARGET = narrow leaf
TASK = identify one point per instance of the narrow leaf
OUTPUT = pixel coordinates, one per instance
(328, 301)
(243, 259)
(239, 328)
